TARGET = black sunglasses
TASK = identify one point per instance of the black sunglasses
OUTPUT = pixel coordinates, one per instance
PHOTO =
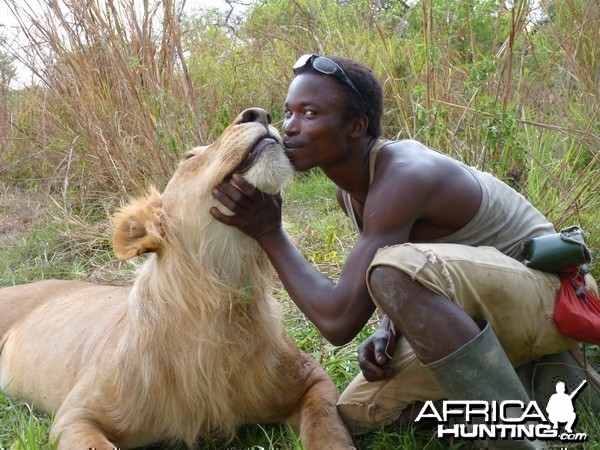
(325, 66)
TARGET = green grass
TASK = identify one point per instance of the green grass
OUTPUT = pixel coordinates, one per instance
(21, 428)
(55, 249)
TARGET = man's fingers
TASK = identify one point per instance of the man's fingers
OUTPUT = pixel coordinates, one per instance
(372, 372)
(368, 365)
(223, 218)
(223, 194)
(232, 190)
(243, 184)
(232, 196)
(382, 348)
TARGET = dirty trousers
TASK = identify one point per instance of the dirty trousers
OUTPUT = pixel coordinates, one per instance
(518, 302)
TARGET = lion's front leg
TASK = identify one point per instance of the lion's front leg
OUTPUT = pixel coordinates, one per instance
(77, 426)
(80, 434)
(316, 420)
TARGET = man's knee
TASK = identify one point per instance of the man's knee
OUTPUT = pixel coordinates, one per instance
(388, 286)
(384, 278)
(394, 290)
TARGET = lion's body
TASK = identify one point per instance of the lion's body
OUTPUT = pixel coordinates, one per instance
(81, 326)
(60, 332)
(195, 347)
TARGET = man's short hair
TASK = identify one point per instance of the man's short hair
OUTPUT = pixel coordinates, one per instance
(370, 89)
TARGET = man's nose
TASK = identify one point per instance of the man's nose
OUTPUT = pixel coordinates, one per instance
(290, 126)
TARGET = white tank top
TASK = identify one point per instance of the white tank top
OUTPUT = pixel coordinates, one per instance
(505, 218)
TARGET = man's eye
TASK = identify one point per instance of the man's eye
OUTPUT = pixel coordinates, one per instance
(287, 113)
(310, 114)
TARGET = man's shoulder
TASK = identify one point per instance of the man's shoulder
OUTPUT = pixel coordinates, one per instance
(410, 163)
(403, 145)
(410, 153)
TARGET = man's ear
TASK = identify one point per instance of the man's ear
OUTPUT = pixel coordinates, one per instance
(358, 126)
(139, 227)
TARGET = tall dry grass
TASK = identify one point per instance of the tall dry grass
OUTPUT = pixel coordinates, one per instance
(106, 87)
(125, 87)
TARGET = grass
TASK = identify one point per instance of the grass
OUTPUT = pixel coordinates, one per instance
(21, 428)
(314, 220)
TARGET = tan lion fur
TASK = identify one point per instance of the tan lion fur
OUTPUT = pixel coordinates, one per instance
(195, 347)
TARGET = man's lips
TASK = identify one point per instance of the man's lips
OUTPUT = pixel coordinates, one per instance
(291, 145)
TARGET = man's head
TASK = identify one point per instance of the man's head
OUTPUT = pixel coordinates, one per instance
(365, 95)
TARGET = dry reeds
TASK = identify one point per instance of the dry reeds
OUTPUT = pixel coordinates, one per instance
(125, 87)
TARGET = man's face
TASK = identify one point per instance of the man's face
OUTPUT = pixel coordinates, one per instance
(315, 124)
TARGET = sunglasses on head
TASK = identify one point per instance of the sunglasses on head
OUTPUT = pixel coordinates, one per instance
(325, 66)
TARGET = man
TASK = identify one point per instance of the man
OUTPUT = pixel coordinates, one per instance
(436, 254)
(560, 408)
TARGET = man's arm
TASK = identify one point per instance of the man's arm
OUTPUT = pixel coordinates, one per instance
(339, 310)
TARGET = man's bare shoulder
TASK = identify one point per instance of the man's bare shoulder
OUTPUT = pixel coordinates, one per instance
(436, 194)
(401, 190)
(410, 153)
(410, 163)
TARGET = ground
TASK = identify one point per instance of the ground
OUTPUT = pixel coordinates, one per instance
(19, 212)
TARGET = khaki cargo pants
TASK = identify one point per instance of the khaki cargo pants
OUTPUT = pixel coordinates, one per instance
(518, 302)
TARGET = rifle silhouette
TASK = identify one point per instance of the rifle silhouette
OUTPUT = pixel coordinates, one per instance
(576, 391)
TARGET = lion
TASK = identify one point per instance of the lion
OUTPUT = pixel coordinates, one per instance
(196, 346)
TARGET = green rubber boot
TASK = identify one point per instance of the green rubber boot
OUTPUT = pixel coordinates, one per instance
(480, 370)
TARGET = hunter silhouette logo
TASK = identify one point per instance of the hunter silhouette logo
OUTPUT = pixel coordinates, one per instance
(560, 407)
(509, 419)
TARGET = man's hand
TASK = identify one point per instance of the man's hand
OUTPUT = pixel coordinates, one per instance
(375, 352)
(255, 213)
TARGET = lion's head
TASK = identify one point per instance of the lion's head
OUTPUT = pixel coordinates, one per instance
(250, 146)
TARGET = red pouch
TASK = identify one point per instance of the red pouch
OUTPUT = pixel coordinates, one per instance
(577, 310)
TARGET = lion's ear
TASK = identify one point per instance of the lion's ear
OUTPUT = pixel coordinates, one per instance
(195, 151)
(138, 227)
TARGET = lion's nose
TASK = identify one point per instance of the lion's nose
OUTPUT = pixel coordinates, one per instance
(255, 115)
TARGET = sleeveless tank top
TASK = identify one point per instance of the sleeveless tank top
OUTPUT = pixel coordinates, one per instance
(505, 218)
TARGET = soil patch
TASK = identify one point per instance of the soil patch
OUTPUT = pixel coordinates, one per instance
(19, 212)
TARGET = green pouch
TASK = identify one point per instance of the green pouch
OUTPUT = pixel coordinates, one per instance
(556, 252)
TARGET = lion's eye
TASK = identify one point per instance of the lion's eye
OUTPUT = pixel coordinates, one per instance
(189, 155)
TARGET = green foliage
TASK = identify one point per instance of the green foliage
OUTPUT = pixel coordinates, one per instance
(22, 429)
(325, 235)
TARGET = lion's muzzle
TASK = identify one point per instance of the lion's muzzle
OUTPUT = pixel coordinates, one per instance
(255, 153)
